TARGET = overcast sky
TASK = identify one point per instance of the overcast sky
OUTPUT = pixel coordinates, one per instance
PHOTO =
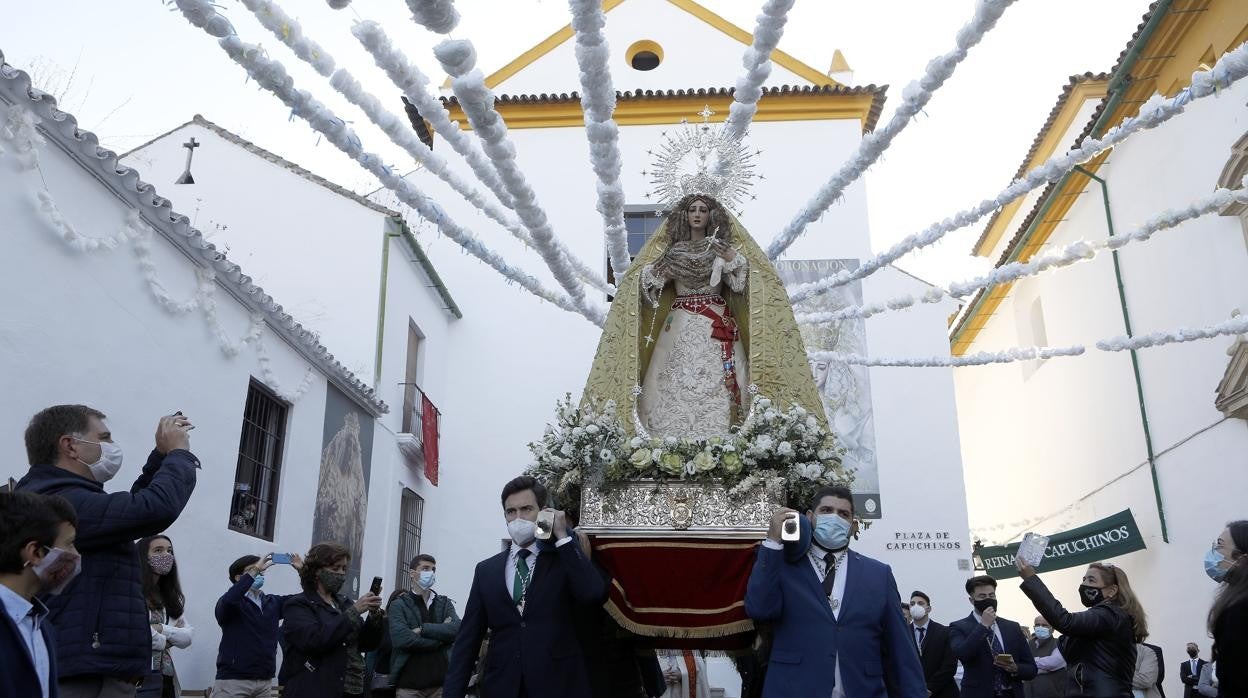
(132, 69)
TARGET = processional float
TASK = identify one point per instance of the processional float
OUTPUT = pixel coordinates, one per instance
(700, 415)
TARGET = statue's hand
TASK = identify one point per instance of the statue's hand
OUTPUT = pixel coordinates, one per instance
(723, 251)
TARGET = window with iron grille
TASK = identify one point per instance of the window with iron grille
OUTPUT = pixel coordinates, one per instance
(411, 514)
(254, 506)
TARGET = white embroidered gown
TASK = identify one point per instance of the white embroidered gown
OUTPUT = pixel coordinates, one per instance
(684, 392)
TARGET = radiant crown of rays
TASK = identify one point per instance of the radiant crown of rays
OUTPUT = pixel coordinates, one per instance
(702, 159)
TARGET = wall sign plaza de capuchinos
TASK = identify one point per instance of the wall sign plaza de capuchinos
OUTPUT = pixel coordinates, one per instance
(923, 540)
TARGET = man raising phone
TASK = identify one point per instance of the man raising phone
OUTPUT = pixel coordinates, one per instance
(249, 619)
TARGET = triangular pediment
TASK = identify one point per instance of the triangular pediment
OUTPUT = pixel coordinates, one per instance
(697, 49)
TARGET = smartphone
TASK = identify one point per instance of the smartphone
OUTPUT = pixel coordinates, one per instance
(1005, 658)
(790, 530)
(280, 558)
(545, 524)
(1031, 550)
(375, 587)
(179, 414)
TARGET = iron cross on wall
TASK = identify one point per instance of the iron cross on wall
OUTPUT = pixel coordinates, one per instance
(190, 146)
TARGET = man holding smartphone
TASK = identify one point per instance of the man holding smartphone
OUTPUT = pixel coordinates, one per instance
(249, 619)
(994, 652)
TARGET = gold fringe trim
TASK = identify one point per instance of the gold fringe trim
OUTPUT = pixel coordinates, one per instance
(735, 628)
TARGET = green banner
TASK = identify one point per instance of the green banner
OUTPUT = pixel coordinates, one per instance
(1099, 540)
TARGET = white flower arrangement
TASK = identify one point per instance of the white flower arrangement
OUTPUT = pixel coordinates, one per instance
(772, 446)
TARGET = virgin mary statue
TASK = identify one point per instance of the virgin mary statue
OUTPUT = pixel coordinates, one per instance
(700, 324)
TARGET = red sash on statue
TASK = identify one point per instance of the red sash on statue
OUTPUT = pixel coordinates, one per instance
(723, 329)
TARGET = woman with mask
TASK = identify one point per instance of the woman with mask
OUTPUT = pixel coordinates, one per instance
(1227, 564)
(165, 605)
(324, 632)
(1099, 643)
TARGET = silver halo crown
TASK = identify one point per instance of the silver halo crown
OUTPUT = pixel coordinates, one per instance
(701, 159)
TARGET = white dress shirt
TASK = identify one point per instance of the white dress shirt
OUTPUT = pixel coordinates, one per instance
(28, 617)
(995, 630)
(1051, 663)
(509, 570)
(916, 627)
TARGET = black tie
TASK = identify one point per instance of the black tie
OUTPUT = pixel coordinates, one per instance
(922, 634)
(829, 576)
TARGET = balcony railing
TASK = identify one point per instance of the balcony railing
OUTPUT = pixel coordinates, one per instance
(415, 418)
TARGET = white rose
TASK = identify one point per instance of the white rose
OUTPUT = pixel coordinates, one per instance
(578, 431)
(637, 442)
(784, 449)
(567, 449)
(592, 429)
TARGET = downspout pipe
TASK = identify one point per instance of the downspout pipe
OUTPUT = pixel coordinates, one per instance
(1135, 359)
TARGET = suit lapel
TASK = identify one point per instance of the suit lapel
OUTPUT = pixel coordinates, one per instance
(852, 582)
(807, 573)
(541, 572)
(498, 589)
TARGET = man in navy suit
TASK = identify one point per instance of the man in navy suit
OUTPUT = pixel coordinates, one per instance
(995, 656)
(36, 555)
(836, 615)
(524, 596)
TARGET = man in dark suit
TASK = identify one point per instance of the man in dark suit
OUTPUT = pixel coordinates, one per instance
(1189, 670)
(995, 657)
(37, 555)
(835, 614)
(932, 639)
(524, 597)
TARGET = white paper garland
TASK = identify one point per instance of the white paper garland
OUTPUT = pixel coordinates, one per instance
(1231, 67)
(1234, 326)
(768, 30)
(438, 16)
(289, 32)
(415, 86)
(17, 128)
(913, 99)
(272, 76)
(55, 220)
(269, 377)
(458, 58)
(598, 103)
(1075, 252)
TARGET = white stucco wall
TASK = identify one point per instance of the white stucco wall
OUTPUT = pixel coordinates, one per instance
(1033, 445)
(317, 251)
(695, 55)
(82, 328)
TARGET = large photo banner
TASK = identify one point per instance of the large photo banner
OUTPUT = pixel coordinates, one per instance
(342, 493)
(844, 389)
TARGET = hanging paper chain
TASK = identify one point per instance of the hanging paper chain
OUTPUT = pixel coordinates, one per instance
(1075, 252)
(757, 63)
(1230, 68)
(913, 99)
(1234, 326)
(598, 103)
(438, 16)
(459, 58)
(289, 32)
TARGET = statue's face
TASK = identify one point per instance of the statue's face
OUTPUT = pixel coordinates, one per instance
(819, 369)
(698, 214)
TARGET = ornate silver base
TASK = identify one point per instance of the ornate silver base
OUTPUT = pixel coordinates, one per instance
(655, 509)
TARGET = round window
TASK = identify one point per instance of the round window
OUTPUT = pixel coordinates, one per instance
(645, 55)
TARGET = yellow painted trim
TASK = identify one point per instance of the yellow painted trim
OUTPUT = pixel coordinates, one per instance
(670, 110)
(643, 45)
(549, 44)
(839, 64)
(1092, 89)
(1191, 33)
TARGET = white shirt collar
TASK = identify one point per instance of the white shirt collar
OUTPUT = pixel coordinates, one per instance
(531, 547)
(18, 607)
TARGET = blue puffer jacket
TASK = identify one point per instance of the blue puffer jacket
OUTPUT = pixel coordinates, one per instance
(101, 619)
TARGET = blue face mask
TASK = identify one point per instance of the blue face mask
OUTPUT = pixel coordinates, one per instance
(1042, 633)
(831, 531)
(426, 579)
(1214, 558)
(257, 583)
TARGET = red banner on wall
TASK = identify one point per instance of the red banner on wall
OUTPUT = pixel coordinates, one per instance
(429, 437)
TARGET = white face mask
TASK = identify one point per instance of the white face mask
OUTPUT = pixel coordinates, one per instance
(57, 569)
(917, 612)
(109, 462)
(522, 531)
